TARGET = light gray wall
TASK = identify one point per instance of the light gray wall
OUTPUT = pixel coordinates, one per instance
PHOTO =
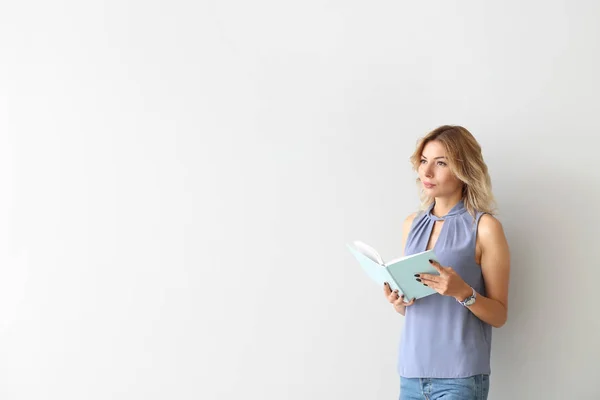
(180, 178)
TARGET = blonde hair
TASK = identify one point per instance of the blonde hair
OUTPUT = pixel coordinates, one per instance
(465, 160)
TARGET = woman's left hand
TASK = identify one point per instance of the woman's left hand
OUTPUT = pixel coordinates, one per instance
(448, 283)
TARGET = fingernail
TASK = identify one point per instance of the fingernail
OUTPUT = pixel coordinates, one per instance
(385, 283)
(425, 284)
(431, 261)
(417, 275)
(418, 280)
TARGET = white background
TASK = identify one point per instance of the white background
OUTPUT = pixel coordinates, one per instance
(179, 180)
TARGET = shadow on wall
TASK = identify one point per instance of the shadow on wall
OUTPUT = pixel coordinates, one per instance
(547, 349)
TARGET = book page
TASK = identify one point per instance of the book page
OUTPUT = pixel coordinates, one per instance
(395, 260)
(368, 251)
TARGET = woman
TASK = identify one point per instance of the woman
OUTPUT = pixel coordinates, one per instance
(446, 340)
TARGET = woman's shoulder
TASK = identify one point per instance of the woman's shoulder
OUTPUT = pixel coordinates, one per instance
(488, 221)
(406, 227)
(408, 221)
(410, 218)
(489, 227)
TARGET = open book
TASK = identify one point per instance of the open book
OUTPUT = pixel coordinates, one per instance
(399, 272)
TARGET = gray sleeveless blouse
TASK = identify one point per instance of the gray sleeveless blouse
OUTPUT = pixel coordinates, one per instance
(441, 338)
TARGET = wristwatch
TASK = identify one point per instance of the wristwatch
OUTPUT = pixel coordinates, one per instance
(469, 301)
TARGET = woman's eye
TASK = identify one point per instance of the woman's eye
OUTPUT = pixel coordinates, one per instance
(443, 164)
(423, 161)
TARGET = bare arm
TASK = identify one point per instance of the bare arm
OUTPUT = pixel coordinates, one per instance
(495, 267)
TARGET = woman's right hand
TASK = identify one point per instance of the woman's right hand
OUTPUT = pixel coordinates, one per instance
(395, 299)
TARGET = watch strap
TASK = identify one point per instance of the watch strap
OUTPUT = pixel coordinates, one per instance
(469, 300)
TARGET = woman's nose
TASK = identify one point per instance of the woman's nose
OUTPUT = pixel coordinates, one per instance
(428, 171)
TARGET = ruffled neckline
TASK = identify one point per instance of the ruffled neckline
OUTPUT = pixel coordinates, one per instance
(458, 209)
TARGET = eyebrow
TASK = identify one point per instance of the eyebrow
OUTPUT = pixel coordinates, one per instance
(434, 158)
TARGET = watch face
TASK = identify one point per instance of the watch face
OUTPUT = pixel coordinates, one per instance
(470, 301)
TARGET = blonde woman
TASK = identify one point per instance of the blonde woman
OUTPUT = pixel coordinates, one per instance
(445, 345)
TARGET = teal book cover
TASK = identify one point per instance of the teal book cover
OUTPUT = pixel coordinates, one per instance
(399, 273)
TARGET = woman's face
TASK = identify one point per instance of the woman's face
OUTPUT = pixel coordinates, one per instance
(434, 172)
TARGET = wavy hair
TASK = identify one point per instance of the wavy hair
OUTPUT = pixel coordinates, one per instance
(466, 163)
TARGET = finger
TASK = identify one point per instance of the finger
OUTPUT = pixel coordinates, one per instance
(393, 296)
(437, 266)
(428, 278)
(387, 290)
(430, 283)
(437, 286)
(399, 301)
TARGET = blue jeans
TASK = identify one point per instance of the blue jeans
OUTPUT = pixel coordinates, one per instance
(471, 388)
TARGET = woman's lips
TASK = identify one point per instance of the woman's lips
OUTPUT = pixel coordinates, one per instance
(428, 185)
